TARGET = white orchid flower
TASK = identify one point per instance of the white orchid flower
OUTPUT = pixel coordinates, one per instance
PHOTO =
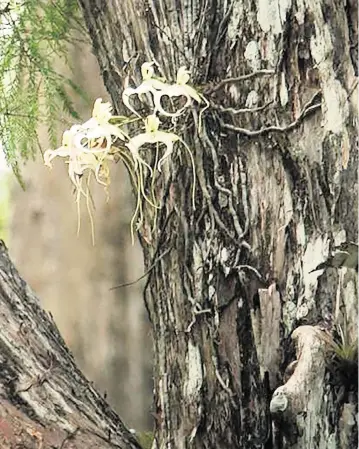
(99, 127)
(79, 159)
(84, 147)
(177, 90)
(71, 150)
(148, 85)
(151, 136)
(159, 89)
(180, 89)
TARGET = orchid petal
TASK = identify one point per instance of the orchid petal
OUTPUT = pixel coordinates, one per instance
(126, 99)
(134, 145)
(167, 153)
(193, 94)
(102, 111)
(183, 75)
(147, 70)
(51, 154)
(152, 123)
(149, 85)
(171, 91)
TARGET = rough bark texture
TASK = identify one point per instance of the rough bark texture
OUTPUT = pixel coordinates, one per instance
(106, 330)
(45, 401)
(270, 206)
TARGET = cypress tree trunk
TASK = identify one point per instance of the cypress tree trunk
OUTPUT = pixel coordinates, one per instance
(231, 297)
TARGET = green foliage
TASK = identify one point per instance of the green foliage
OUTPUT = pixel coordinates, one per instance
(342, 354)
(343, 347)
(145, 439)
(33, 34)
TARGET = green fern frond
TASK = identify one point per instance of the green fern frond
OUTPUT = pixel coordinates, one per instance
(32, 34)
(342, 355)
(67, 104)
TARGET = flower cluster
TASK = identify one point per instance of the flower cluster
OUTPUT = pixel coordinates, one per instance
(89, 147)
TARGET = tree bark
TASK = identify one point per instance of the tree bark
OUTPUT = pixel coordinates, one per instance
(276, 165)
(46, 402)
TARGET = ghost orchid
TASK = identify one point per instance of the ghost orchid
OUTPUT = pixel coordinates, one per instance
(150, 136)
(79, 159)
(149, 85)
(72, 151)
(99, 126)
(180, 89)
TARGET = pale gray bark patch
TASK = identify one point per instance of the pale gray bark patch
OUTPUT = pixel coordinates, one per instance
(299, 401)
(272, 15)
(267, 333)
